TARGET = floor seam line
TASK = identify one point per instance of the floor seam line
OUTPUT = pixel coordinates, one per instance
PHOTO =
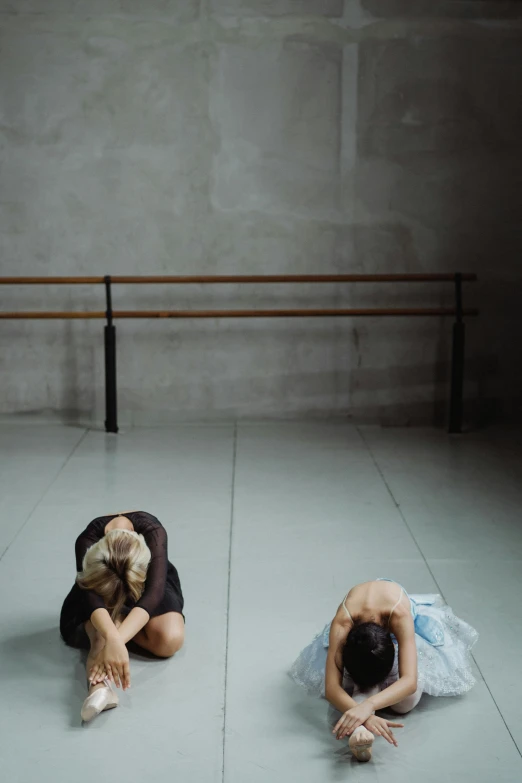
(48, 489)
(401, 513)
(227, 624)
(397, 506)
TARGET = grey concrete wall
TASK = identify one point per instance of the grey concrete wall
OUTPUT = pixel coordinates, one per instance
(251, 136)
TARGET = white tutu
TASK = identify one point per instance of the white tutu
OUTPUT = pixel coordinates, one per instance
(444, 644)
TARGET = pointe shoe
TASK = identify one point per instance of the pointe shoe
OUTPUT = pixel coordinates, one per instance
(98, 701)
(361, 743)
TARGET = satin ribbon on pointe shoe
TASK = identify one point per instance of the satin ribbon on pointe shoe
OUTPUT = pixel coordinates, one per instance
(98, 701)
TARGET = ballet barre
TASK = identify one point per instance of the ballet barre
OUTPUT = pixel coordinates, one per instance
(111, 421)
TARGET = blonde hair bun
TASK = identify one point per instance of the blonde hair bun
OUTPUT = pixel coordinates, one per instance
(115, 568)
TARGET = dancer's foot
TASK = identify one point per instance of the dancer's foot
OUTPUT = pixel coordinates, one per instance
(100, 698)
(361, 743)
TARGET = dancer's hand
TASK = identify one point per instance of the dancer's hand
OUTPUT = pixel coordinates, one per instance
(382, 727)
(97, 671)
(115, 658)
(352, 718)
(111, 662)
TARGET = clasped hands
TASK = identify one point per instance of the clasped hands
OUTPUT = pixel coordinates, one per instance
(112, 662)
(363, 715)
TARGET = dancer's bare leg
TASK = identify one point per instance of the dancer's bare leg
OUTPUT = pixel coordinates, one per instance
(97, 644)
(407, 704)
(163, 635)
(101, 696)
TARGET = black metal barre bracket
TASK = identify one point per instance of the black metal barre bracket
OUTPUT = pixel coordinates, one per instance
(111, 408)
(457, 362)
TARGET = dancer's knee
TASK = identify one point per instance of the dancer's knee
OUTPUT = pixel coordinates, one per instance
(165, 634)
(406, 705)
(167, 644)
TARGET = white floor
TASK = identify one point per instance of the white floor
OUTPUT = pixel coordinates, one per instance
(269, 526)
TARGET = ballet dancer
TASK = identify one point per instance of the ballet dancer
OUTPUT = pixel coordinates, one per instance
(384, 649)
(125, 589)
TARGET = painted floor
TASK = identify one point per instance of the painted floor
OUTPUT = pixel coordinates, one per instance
(269, 526)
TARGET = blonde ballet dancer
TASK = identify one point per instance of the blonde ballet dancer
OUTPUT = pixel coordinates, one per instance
(125, 589)
(384, 649)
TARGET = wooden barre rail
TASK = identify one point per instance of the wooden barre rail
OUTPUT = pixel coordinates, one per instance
(111, 424)
(296, 313)
(210, 279)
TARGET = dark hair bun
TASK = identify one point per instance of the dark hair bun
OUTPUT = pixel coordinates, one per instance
(368, 654)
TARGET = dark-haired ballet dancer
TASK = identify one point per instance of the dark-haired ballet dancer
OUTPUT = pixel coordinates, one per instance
(383, 649)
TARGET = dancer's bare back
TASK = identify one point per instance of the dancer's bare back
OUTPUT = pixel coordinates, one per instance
(381, 602)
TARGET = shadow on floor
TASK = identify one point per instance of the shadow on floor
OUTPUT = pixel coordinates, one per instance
(314, 716)
(55, 673)
(311, 716)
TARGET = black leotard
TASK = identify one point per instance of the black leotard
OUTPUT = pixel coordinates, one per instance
(162, 591)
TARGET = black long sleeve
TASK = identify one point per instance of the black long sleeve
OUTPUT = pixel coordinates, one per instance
(156, 540)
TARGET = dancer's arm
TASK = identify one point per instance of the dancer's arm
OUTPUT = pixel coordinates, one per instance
(103, 623)
(338, 697)
(334, 691)
(406, 684)
(114, 656)
(133, 623)
(113, 660)
(156, 540)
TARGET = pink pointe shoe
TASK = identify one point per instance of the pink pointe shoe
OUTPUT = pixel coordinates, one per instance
(98, 701)
(361, 744)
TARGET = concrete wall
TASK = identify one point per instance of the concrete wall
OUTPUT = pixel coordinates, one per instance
(257, 136)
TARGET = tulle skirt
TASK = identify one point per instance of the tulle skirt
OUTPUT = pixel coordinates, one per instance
(444, 643)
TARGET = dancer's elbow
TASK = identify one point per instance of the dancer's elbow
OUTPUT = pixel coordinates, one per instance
(412, 685)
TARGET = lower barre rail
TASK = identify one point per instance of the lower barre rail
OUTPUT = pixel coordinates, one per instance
(111, 423)
(270, 313)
